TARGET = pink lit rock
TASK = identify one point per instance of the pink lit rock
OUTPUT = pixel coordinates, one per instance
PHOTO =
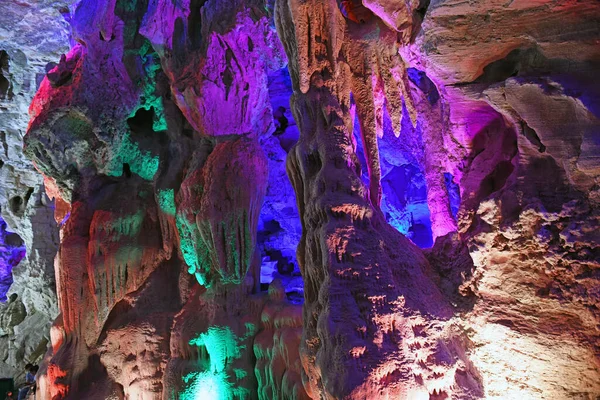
(401, 15)
(501, 73)
(217, 58)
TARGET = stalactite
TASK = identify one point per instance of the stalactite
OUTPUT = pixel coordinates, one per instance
(348, 339)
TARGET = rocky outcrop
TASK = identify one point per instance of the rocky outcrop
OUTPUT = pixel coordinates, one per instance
(158, 269)
(483, 112)
(520, 129)
(375, 323)
(470, 128)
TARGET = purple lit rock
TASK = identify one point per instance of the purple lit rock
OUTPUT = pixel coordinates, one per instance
(12, 252)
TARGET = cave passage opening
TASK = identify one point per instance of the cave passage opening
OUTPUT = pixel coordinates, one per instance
(403, 183)
(404, 188)
(279, 226)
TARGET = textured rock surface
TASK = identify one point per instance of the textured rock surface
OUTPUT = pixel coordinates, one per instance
(375, 323)
(32, 34)
(490, 105)
(469, 128)
(523, 136)
(158, 269)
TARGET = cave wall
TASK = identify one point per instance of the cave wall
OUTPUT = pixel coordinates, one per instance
(160, 186)
(527, 132)
(444, 161)
(33, 34)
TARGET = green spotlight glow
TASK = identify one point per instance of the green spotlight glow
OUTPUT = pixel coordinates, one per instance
(166, 201)
(142, 163)
(206, 386)
(191, 248)
(222, 346)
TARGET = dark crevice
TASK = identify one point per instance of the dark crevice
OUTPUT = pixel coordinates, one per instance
(195, 24)
(453, 193)
(502, 69)
(28, 195)
(178, 44)
(495, 180)
(112, 37)
(187, 129)
(313, 163)
(94, 381)
(126, 170)
(142, 121)
(4, 59)
(284, 264)
(418, 17)
(4, 142)
(490, 163)
(13, 240)
(355, 11)
(549, 183)
(5, 87)
(519, 62)
(532, 136)
(422, 10)
(227, 75)
(121, 308)
(63, 72)
(422, 81)
(17, 205)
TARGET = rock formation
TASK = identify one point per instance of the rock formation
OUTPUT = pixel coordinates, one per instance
(522, 134)
(162, 191)
(444, 158)
(375, 323)
(33, 34)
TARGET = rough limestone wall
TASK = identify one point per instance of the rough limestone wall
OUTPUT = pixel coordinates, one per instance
(521, 134)
(32, 34)
(506, 100)
(149, 133)
(375, 323)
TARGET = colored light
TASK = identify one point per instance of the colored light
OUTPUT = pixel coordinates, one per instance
(166, 201)
(214, 383)
(142, 163)
(11, 253)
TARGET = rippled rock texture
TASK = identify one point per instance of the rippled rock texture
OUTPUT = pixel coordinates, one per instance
(444, 160)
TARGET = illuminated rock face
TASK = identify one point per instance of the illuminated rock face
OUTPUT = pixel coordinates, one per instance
(158, 269)
(521, 134)
(375, 322)
(520, 262)
(165, 128)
